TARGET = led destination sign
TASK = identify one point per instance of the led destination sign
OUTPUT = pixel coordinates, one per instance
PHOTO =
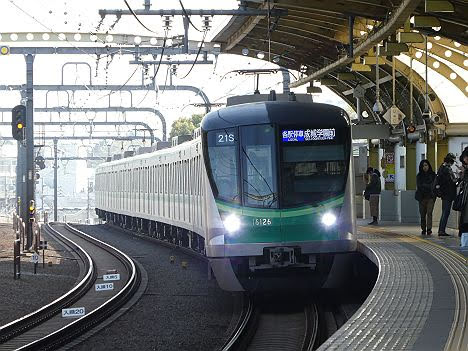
(308, 134)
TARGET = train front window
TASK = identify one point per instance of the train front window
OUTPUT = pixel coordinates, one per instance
(223, 158)
(259, 166)
(312, 170)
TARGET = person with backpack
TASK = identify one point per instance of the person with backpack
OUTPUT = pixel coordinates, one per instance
(424, 195)
(372, 193)
(446, 188)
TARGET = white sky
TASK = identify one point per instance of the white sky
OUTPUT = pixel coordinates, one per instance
(73, 16)
(82, 16)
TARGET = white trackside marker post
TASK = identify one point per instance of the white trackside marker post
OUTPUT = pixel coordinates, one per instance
(73, 312)
(104, 287)
(110, 277)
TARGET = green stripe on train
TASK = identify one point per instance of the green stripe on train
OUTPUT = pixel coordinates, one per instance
(282, 225)
(287, 212)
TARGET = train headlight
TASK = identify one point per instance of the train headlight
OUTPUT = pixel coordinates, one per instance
(328, 219)
(232, 223)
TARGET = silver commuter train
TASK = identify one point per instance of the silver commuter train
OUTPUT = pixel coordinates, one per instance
(216, 193)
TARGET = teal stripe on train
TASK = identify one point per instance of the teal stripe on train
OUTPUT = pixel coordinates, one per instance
(261, 225)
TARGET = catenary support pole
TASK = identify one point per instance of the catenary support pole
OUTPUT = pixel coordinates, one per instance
(55, 179)
(29, 130)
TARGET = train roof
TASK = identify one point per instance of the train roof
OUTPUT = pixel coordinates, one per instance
(284, 112)
(146, 156)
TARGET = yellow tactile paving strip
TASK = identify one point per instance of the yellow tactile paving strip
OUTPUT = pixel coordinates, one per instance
(454, 263)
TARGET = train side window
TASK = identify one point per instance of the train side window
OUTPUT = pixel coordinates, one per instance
(186, 178)
(165, 178)
(180, 189)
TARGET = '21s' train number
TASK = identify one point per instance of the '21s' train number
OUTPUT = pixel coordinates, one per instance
(261, 221)
(225, 138)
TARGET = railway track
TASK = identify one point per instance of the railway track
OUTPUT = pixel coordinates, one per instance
(275, 327)
(48, 328)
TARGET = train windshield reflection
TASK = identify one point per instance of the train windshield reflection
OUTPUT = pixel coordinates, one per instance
(312, 173)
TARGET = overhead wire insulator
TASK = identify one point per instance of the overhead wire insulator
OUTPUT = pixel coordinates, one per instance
(167, 23)
(119, 16)
(206, 23)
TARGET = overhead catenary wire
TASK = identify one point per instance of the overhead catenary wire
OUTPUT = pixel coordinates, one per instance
(121, 87)
(136, 17)
(188, 17)
(160, 58)
(196, 57)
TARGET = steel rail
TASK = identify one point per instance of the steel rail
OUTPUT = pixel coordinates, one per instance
(25, 323)
(246, 325)
(312, 324)
(250, 327)
(79, 326)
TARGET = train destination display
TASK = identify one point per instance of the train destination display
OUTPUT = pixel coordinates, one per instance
(308, 134)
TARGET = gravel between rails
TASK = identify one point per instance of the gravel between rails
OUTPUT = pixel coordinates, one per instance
(23, 296)
(180, 310)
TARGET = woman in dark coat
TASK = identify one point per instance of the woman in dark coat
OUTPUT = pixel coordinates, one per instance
(372, 193)
(424, 195)
(463, 225)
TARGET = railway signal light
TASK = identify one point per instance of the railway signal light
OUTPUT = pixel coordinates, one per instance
(18, 122)
(40, 162)
(32, 210)
(4, 50)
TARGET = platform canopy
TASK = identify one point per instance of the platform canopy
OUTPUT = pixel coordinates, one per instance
(314, 38)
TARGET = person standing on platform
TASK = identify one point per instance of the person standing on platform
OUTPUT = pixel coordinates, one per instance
(424, 195)
(372, 193)
(446, 185)
(463, 225)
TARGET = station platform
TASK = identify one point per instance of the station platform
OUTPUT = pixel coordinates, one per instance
(419, 301)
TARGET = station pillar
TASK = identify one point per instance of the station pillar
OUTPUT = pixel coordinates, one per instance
(373, 155)
(442, 150)
(411, 166)
(388, 163)
(431, 154)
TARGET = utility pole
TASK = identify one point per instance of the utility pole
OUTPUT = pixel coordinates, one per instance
(55, 179)
(42, 195)
(29, 144)
(87, 210)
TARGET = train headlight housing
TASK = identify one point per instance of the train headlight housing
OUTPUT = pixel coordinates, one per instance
(328, 219)
(232, 223)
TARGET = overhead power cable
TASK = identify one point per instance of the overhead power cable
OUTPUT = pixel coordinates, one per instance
(188, 17)
(136, 17)
(122, 86)
(160, 58)
(196, 57)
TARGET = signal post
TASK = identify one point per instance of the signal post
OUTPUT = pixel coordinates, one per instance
(22, 123)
